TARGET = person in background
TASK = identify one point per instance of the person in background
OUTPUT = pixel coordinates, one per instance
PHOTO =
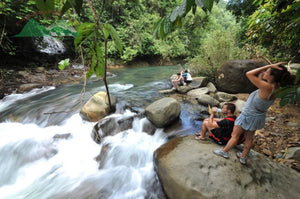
(220, 128)
(187, 76)
(267, 79)
(178, 81)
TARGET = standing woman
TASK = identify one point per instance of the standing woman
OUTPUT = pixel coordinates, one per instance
(267, 79)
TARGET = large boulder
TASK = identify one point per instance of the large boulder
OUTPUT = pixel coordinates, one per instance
(199, 82)
(189, 169)
(232, 76)
(163, 112)
(97, 107)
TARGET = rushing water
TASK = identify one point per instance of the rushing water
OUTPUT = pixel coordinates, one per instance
(46, 149)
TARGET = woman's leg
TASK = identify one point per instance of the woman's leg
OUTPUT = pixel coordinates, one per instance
(236, 133)
(248, 143)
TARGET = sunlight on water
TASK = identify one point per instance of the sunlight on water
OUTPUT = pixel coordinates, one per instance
(12, 98)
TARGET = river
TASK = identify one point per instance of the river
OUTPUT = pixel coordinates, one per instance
(36, 164)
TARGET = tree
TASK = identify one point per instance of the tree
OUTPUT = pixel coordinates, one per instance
(97, 33)
(166, 24)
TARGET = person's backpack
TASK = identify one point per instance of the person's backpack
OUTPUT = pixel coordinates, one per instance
(221, 135)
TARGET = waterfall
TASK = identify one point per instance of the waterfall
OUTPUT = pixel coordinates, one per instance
(34, 164)
(47, 150)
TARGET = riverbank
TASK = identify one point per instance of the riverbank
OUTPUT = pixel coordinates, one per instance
(280, 134)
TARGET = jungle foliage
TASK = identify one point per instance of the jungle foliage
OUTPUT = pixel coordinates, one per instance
(202, 32)
(273, 24)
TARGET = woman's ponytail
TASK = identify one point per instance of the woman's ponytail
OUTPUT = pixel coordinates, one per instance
(283, 77)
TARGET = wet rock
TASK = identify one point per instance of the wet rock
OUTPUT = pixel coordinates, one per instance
(28, 87)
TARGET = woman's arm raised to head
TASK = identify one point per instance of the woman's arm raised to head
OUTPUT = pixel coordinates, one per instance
(255, 75)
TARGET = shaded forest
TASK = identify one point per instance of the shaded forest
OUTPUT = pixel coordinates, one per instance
(236, 29)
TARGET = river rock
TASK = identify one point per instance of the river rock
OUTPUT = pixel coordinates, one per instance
(224, 97)
(110, 126)
(184, 89)
(196, 93)
(205, 99)
(211, 87)
(28, 87)
(199, 82)
(232, 76)
(163, 112)
(189, 169)
(97, 107)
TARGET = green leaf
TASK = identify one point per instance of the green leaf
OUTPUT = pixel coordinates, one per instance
(114, 35)
(46, 6)
(93, 62)
(63, 64)
(206, 5)
(287, 95)
(100, 69)
(297, 76)
(76, 4)
(161, 29)
(85, 30)
(156, 27)
(167, 25)
(106, 33)
(65, 8)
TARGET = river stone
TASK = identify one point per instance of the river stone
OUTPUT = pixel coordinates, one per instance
(97, 107)
(205, 99)
(184, 89)
(232, 76)
(198, 82)
(211, 87)
(28, 87)
(189, 169)
(163, 112)
(224, 97)
(196, 93)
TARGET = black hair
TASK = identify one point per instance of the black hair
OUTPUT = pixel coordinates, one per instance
(231, 107)
(178, 73)
(283, 77)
